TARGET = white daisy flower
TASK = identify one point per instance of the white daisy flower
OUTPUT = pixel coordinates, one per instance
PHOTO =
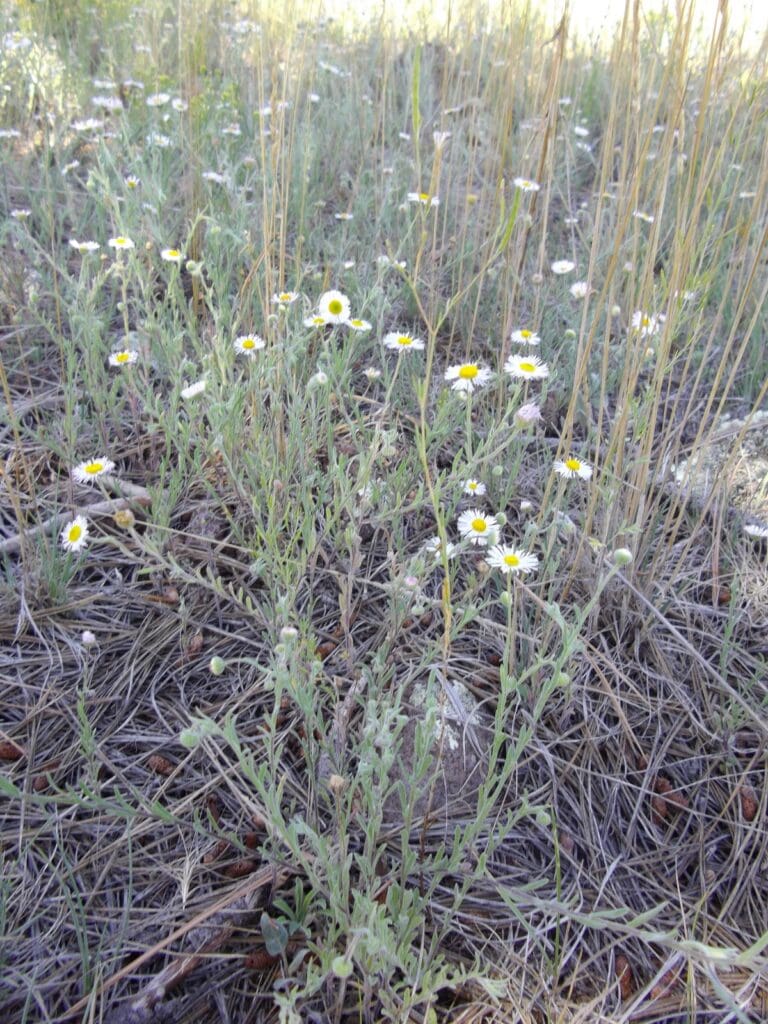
(525, 185)
(333, 306)
(249, 344)
(84, 247)
(131, 181)
(434, 547)
(647, 324)
(402, 341)
(356, 324)
(74, 536)
(756, 530)
(424, 198)
(92, 469)
(572, 466)
(314, 321)
(579, 290)
(284, 298)
(474, 487)
(124, 357)
(511, 560)
(562, 267)
(172, 256)
(477, 527)
(525, 337)
(121, 242)
(468, 376)
(526, 367)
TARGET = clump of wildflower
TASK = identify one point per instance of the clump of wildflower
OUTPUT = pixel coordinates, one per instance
(92, 469)
(512, 560)
(522, 336)
(468, 377)
(402, 342)
(124, 357)
(572, 467)
(74, 536)
(526, 367)
(248, 344)
(477, 527)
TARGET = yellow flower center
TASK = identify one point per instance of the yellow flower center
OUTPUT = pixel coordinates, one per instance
(573, 464)
(75, 533)
(173, 254)
(511, 560)
(122, 357)
(468, 372)
(405, 339)
(646, 321)
(94, 467)
(120, 241)
(335, 307)
(526, 334)
(249, 343)
(479, 525)
(424, 197)
(528, 367)
(472, 485)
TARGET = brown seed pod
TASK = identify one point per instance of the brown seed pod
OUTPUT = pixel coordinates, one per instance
(241, 868)
(326, 649)
(658, 810)
(260, 960)
(216, 851)
(10, 751)
(624, 974)
(748, 800)
(666, 983)
(160, 765)
(195, 645)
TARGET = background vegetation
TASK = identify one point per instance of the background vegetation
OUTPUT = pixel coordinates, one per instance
(239, 706)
